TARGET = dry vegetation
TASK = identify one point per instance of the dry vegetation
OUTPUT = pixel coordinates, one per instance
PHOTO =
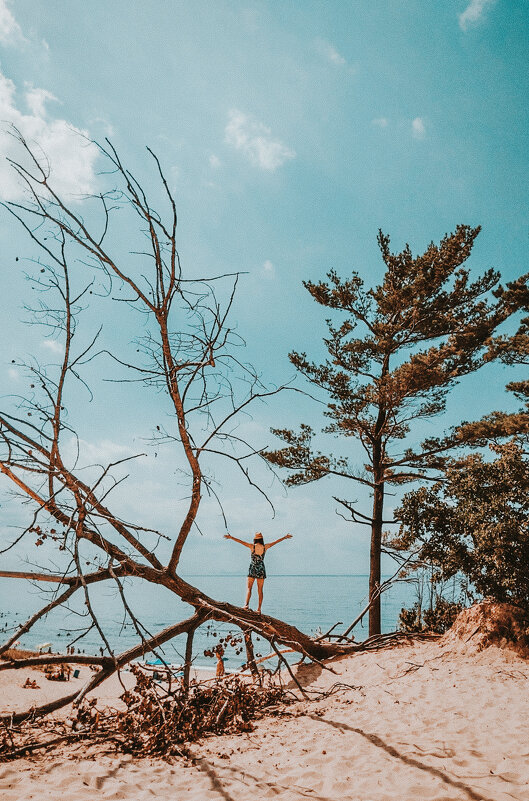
(156, 720)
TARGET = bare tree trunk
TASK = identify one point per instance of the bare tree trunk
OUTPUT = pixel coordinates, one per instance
(374, 560)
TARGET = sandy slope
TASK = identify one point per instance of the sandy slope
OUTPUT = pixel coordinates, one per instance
(425, 721)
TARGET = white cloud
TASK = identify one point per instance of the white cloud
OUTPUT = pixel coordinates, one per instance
(64, 147)
(254, 140)
(473, 13)
(53, 346)
(330, 53)
(268, 270)
(380, 122)
(418, 128)
(104, 451)
(36, 101)
(10, 32)
(13, 373)
(214, 161)
(104, 124)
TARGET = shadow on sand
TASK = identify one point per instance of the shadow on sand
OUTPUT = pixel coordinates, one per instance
(414, 763)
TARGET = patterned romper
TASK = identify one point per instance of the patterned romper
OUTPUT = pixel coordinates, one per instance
(257, 568)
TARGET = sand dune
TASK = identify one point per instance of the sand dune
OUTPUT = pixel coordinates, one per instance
(421, 721)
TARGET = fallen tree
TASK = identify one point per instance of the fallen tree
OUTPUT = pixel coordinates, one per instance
(187, 352)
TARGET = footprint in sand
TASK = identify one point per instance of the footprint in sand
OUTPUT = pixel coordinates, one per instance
(424, 791)
(511, 777)
(7, 778)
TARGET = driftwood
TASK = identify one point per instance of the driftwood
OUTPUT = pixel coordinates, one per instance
(161, 721)
(156, 722)
(195, 365)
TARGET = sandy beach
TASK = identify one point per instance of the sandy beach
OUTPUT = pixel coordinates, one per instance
(438, 720)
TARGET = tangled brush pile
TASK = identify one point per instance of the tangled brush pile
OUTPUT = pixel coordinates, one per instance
(156, 721)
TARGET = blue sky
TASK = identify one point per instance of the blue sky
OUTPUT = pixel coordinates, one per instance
(290, 132)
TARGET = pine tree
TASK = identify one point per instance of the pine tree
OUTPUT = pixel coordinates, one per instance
(392, 362)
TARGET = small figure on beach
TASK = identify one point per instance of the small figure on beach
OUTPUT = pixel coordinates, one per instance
(219, 653)
(62, 673)
(257, 568)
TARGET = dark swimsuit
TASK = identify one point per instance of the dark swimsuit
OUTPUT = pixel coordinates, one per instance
(257, 568)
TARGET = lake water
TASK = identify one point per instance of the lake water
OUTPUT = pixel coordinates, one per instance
(311, 603)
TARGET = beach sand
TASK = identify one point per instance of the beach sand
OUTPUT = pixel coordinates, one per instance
(427, 720)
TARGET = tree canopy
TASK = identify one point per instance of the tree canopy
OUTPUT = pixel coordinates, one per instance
(394, 354)
(475, 523)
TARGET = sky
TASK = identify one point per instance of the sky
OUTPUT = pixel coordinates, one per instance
(290, 133)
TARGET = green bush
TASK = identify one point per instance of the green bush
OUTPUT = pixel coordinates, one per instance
(438, 619)
(410, 619)
(474, 527)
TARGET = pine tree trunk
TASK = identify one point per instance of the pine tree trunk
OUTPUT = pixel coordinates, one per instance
(374, 562)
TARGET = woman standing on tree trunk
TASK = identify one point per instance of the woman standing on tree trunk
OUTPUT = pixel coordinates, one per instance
(257, 567)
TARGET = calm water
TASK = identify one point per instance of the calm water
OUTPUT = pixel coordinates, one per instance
(311, 603)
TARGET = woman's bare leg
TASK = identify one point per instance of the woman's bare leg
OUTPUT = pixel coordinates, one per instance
(249, 593)
(260, 583)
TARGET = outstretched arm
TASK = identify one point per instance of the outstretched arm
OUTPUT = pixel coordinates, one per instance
(242, 542)
(286, 537)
